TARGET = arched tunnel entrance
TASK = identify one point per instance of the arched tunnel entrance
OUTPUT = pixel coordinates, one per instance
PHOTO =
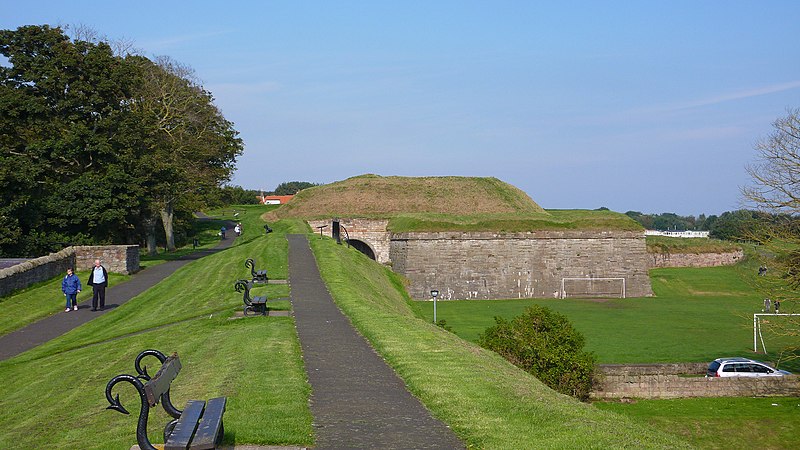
(363, 247)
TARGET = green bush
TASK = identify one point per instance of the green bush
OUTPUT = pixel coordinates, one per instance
(544, 343)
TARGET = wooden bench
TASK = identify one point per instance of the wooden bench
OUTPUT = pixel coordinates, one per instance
(256, 304)
(197, 426)
(259, 276)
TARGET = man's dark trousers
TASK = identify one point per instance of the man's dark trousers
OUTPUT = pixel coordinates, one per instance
(98, 292)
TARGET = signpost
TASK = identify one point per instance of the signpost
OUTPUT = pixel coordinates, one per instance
(434, 294)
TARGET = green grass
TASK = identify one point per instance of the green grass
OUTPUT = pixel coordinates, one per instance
(665, 244)
(256, 362)
(770, 423)
(552, 220)
(697, 315)
(41, 300)
(488, 402)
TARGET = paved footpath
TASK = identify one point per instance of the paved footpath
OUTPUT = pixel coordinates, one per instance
(55, 325)
(357, 400)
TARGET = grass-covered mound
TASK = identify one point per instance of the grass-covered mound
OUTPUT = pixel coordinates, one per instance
(383, 197)
(441, 204)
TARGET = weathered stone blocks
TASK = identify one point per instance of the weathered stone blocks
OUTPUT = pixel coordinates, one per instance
(485, 265)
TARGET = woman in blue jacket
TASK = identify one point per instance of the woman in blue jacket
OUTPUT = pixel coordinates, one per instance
(71, 286)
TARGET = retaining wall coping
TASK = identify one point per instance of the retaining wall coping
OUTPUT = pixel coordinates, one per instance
(538, 234)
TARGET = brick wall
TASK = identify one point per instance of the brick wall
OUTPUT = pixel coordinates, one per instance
(370, 231)
(682, 381)
(695, 259)
(488, 265)
(116, 258)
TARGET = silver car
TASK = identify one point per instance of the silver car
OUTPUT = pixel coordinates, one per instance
(742, 367)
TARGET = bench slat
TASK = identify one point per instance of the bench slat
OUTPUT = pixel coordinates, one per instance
(186, 426)
(206, 437)
(160, 382)
(259, 300)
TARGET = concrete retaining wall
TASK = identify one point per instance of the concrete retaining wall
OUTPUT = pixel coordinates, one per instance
(695, 259)
(682, 381)
(116, 258)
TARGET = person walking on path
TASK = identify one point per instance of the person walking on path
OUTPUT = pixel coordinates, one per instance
(71, 286)
(98, 280)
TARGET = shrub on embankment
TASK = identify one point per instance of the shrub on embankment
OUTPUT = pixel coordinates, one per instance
(486, 400)
(544, 343)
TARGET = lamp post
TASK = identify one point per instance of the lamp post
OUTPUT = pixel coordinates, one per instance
(434, 294)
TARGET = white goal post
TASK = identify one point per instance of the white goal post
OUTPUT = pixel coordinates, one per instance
(608, 287)
(757, 329)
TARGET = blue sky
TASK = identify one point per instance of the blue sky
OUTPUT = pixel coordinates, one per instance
(651, 106)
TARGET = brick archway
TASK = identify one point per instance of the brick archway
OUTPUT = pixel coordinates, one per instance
(363, 247)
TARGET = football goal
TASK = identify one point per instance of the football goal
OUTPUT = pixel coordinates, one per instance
(764, 318)
(592, 287)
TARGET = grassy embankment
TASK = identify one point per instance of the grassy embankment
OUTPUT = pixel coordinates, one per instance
(698, 314)
(665, 244)
(484, 399)
(53, 396)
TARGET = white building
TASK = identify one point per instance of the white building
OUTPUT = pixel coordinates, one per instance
(679, 234)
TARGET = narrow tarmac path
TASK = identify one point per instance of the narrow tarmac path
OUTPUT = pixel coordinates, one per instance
(357, 400)
(55, 325)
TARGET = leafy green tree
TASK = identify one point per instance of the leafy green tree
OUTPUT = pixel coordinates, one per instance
(544, 343)
(192, 147)
(292, 187)
(60, 106)
(96, 147)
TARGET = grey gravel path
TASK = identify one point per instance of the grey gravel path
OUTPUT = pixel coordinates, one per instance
(357, 400)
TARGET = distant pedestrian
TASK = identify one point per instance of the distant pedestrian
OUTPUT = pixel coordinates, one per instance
(237, 229)
(267, 229)
(98, 280)
(767, 305)
(222, 232)
(71, 287)
(777, 304)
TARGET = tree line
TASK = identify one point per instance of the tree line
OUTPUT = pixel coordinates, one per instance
(739, 225)
(237, 195)
(102, 147)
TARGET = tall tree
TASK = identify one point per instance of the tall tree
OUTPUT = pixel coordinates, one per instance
(776, 174)
(96, 147)
(192, 147)
(775, 189)
(60, 103)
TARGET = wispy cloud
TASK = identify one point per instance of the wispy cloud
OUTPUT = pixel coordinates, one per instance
(731, 96)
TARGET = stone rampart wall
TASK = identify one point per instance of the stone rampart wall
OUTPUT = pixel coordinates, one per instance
(487, 265)
(683, 381)
(695, 259)
(370, 231)
(116, 258)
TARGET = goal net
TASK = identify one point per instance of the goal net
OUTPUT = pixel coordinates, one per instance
(778, 330)
(592, 287)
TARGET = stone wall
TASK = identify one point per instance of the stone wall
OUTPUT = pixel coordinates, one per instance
(487, 265)
(695, 259)
(682, 381)
(116, 258)
(370, 231)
